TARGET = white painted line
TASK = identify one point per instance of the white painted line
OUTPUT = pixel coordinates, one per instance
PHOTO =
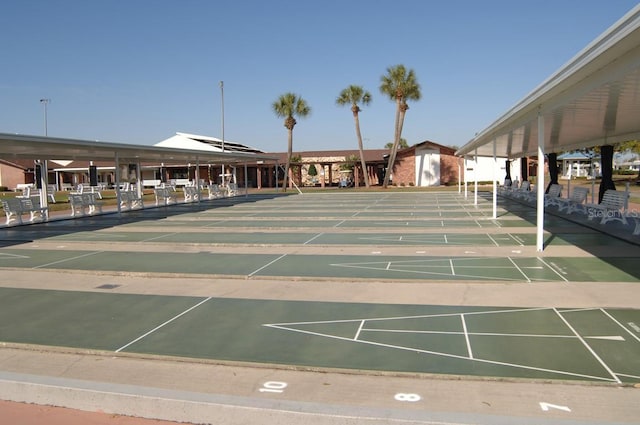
(6, 256)
(588, 347)
(519, 269)
(628, 376)
(266, 265)
(493, 240)
(400, 331)
(453, 270)
(517, 239)
(553, 269)
(343, 221)
(466, 336)
(620, 324)
(355, 338)
(607, 338)
(68, 259)
(159, 237)
(163, 324)
(316, 236)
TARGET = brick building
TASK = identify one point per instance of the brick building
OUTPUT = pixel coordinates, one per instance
(427, 164)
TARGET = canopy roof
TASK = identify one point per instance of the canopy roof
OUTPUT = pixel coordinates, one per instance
(15, 146)
(594, 99)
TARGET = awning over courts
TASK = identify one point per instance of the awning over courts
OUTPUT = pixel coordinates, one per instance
(594, 99)
(15, 146)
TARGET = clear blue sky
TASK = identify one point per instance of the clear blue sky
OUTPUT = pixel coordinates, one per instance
(137, 71)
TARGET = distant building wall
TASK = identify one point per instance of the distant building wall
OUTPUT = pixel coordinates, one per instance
(11, 176)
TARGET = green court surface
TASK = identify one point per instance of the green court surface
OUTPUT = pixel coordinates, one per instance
(601, 345)
(515, 269)
(343, 238)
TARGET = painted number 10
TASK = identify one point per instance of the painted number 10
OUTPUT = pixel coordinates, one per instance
(273, 387)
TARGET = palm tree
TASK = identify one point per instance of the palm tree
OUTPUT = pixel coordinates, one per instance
(403, 144)
(353, 95)
(400, 85)
(287, 106)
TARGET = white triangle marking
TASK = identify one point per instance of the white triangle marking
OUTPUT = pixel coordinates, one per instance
(607, 338)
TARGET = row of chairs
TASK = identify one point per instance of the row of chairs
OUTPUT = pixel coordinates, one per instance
(613, 207)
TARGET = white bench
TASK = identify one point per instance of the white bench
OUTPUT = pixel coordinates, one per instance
(83, 188)
(234, 190)
(83, 202)
(214, 191)
(129, 199)
(14, 208)
(165, 194)
(508, 186)
(191, 194)
(612, 207)
(522, 192)
(28, 191)
(575, 202)
(552, 197)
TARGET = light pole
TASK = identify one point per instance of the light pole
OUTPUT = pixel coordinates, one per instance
(42, 164)
(45, 102)
(222, 113)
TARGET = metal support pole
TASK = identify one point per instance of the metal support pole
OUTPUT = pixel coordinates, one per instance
(475, 178)
(222, 114)
(540, 186)
(495, 179)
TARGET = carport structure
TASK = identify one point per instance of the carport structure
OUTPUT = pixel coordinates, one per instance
(15, 146)
(593, 100)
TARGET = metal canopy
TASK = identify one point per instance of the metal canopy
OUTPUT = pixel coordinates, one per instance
(14, 146)
(592, 100)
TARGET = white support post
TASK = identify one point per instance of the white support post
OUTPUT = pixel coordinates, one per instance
(540, 186)
(118, 198)
(495, 179)
(246, 180)
(475, 178)
(197, 178)
(44, 181)
(466, 176)
(139, 185)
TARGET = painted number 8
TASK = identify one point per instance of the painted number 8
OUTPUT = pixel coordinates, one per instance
(407, 397)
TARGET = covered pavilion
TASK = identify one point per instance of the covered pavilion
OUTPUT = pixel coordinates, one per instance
(44, 149)
(593, 100)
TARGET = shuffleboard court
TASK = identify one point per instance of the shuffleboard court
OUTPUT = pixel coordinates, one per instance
(421, 268)
(599, 345)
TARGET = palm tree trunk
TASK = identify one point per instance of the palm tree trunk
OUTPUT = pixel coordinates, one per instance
(394, 149)
(289, 155)
(363, 163)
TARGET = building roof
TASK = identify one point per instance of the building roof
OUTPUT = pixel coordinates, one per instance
(577, 156)
(442, 148)
(592, 100)
(206, 143)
